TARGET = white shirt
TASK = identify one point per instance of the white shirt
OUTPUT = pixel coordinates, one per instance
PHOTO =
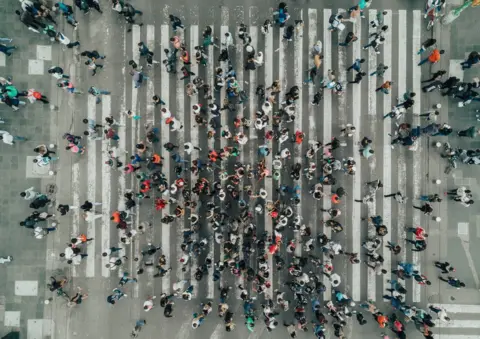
(149, 304)
(167, 114)
(30, 194)
(69, 253)
(188, 147)
(7, 137)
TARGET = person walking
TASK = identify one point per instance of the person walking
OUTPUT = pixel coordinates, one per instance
(29, 194)
(349, 39)
(437, 76)
(470, 132)
(444, 266)
(358, 78)
(433, 58)
(6, 49)
(426, 45)
(453, 282)
(398, 196)
(426, 209)
(356, 65)
(419, 245)
(9, 139)
(385, 88)
(380, 71)
(473, 58)
(175, 22)
(63, 209)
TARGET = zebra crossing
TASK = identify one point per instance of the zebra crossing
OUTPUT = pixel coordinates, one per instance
(287, 62)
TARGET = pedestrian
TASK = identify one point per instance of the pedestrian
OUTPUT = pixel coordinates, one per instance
(96, 92)
(426, 208)
(453, 282)
(470, 132)
(63, 209)
(380, 71)
(34, 95)
(433, 58)
(40, 232)
(426, 45)
(111, 250)
(78, 149)
(473, 58)
(444, 266)
(441, 313)
(396, 249)
(57, 73)
(317, 98)
(148, 304)
(375, 43)
(385, 88)
(6, 49)
(125, 279)
(111, 134)
(436, 76)
(9, 139)
(143, 49)
(356, 65)
(69, 87)
(398, 196)
(29, 194)
(93, 66)
(379, 19)
(419, 245)
(138, 77)
(358, 78)
(176, 22)
(186, 73)
(157, 100)
(349, 39)
(28, 20)
(138, 327)
(61, 38)
(419, 232)
(431, 198)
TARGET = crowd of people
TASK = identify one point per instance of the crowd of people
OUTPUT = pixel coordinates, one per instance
(230, 202)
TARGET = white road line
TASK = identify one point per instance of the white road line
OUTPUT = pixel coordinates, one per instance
(297, 151)
(75, 202)
(417, 155)
(387, 151)
(106, 188)
(122, 148)
(312, 110)
(327, 127)
(458, 308)
(149, 119)
(134, 247)
(464, 324)
(164, 136)
(457, 336)
(211, 142)
(91, 186)
(179, 135)
(192, 136)
(268, 56)
(401, 162)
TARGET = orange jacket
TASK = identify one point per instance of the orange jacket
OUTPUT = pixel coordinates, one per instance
(434, 56)
(116, 216)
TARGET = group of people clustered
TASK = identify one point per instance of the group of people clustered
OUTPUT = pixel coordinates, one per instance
(231, 201)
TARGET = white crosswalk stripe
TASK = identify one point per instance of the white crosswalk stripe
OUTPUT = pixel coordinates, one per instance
(287, 62)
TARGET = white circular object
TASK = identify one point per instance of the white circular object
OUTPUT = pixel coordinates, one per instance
(437, 106)
(51, 146)
(438, 181)
(47, 301)
(438, 144)
(249, 49)
(438, 219)
(51, 173)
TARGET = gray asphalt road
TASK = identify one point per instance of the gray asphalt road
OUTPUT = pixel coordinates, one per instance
(81, 177)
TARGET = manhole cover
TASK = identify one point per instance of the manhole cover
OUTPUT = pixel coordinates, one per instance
(51, 189)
